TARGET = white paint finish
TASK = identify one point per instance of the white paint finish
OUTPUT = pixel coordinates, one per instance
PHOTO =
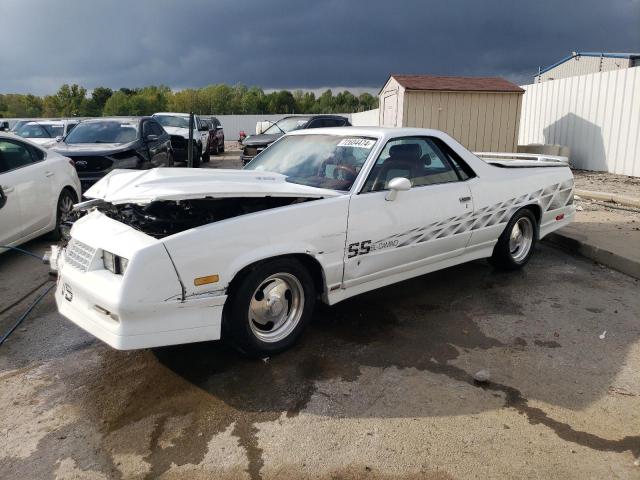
(597, 116)
(156, 302)
(32, 193)
(145, 186)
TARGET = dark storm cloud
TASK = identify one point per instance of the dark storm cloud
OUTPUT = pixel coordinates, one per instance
(292, 44)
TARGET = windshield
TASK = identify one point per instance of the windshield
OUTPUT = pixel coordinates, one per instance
(324, 161)
(104, 131)
(33, 130)
(172, 121)
(287, 125)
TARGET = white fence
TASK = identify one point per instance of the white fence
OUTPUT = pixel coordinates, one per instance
(368, 118)
(597, 116)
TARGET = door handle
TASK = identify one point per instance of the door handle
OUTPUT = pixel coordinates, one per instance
(7, 189)
(49, 174)
(465, 199)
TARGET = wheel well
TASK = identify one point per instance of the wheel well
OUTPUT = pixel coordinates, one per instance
(71, 191)
(536, 210)
(309, 262)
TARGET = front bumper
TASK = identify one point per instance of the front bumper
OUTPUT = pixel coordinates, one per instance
(93, 305)
(142, 308)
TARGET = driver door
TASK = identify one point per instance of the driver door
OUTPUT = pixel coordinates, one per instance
(423, 225)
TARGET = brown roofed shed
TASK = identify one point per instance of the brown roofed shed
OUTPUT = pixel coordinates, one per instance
(482, 113)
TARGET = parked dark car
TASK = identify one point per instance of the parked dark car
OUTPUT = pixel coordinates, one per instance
(100, 145)
(216, 135)
(254, 144)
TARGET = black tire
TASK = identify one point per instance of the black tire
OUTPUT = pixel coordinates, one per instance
(221, 146)
(204, 154)
(508, 255)
(65, 201)
(250, 336)
(197, 154)
(170, 160)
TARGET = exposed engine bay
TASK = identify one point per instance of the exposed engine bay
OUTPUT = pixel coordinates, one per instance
(163, 218)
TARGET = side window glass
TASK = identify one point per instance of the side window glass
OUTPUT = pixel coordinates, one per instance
(462, 169)
(14, 155)
(156, 129)
(415, 158)
(36, 153)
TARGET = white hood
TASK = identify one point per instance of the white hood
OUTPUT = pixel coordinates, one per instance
(182, 132)
(134, 186)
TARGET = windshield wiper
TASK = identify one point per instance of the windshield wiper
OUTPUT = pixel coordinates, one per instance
(276, 125)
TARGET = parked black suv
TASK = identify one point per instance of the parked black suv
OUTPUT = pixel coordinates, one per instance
(254, 144)
(100, 145)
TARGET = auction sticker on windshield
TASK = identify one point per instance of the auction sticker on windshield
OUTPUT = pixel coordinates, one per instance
(357, 143)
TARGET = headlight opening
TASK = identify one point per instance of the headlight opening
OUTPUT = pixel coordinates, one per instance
(114, 263)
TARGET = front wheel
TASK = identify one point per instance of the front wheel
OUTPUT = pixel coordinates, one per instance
(63, 212)
(515, 245)
(270, 307)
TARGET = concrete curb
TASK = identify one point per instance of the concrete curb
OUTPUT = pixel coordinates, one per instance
(609, 197)
(572, 244)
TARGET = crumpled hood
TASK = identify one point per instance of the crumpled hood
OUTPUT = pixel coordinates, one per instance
(262, 139)
(141, 187)
(90, 148)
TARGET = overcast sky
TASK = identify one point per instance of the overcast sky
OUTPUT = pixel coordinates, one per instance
(296, 43)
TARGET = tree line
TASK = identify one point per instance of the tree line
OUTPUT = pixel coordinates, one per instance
(220, 99)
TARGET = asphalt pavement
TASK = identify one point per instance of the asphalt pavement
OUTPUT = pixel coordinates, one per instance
(380, 386)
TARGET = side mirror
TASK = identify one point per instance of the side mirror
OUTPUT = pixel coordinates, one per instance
(219, 127)
(398, 184)
(203, 128)
(59, 138)
(152, 138)
(3, 198)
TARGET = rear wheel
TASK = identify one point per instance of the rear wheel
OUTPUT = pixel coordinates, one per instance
(221, 146)
(515, 245)
(270, 307)
(63, 212)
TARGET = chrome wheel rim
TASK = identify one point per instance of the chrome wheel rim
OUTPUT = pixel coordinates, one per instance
(276, 307)
(521, 239)
(66, 206)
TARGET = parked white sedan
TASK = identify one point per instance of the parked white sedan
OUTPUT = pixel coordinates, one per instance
(38, 188)
(46, 132)
(170, 256)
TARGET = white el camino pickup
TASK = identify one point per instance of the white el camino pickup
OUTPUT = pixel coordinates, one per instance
(173, 255)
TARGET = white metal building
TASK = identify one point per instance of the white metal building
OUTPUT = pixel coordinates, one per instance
(482, 113)
(582, 63)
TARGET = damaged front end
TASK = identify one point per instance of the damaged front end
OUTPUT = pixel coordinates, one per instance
(163, 202)
(162, 218)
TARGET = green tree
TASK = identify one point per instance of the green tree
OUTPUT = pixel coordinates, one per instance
(99, 97)
(367, 102)
(72, 100)
(117, 104)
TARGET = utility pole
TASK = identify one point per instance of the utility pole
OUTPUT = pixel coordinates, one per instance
(190, 150)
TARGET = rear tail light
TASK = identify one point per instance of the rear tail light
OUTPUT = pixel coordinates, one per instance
(72, 163)
(560, 217)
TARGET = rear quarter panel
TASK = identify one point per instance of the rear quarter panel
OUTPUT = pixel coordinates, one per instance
(499, 193)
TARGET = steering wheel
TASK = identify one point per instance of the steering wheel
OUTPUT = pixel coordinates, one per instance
(344, 172)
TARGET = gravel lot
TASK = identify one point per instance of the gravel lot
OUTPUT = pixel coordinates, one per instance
(381, 386)
(607, 182)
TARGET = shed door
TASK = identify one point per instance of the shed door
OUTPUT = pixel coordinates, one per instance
(390, 109)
